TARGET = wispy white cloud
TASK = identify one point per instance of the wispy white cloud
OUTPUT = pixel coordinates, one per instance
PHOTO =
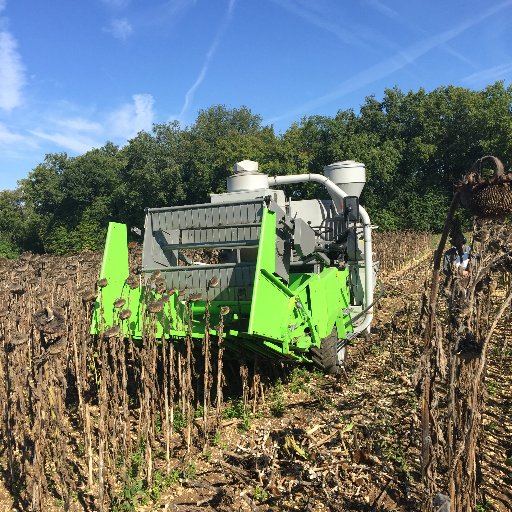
(390, 13)
(489, 75)
(131, 118)
(120, 28)
(384, 9)
(72, 142)
(12, 72)
(161, 15)
(189, 96)
(10, 139)
(79, 134)
(3, 5)
(458, 55)
(392, 64)
(79, 124)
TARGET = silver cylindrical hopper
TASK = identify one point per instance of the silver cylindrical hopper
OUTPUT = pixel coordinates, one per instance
(349, 175)
(246, 177)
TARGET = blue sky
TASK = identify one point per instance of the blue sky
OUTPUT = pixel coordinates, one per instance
(75, 74)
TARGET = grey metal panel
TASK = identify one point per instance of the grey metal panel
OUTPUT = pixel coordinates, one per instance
(257, 201)
(235, 281)
(197, 224)
(215, 216)
(235, 244)
(233, 226)
(216, 236)
(147, 252)
(222, 215)
(153, 255)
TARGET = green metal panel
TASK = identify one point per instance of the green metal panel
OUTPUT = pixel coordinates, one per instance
(326, 297)
(270, 298)
(300, 314)
(172, 321)
(114, 268)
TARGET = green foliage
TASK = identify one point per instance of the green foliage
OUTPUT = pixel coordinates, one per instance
(492, 387)
(189, 472)
(137, 460)
(276, 399)
(395, 454)
(180, 421)
(236, 409)
(414, 144)
(15, 224)
(136, 491)
(260, 494)
(217, 440)
(245, 426)
(160, 483)
(8, 249)
(158, 423)
(301, 379)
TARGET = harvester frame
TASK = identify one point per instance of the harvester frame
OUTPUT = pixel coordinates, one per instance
(275, 282)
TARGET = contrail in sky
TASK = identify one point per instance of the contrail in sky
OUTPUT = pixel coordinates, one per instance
(189, 96)
(387, 67)
(489, 75)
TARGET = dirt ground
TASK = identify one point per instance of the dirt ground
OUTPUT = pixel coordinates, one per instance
(323, 443)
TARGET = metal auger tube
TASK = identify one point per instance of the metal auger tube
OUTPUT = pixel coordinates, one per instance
(337, 194)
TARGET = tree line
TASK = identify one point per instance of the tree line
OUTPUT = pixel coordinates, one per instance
(414, 144)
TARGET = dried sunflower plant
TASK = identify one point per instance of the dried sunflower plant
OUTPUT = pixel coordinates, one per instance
(462, 316)
(95, 422)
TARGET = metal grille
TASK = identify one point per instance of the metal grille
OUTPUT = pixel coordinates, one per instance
(206, 226)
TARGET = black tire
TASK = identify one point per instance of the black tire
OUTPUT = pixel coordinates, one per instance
(331, 354)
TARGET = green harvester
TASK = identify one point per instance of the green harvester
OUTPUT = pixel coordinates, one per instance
(283, 278)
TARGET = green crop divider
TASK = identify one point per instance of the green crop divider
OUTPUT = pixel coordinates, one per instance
(114, 268)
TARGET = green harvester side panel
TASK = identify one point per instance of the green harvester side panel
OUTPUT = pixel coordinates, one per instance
(285, 319)
(115, 269)
(293, 318)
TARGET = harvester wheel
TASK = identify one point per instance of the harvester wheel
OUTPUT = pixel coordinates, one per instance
(331, 354)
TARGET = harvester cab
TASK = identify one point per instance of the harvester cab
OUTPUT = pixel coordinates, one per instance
(268, 274)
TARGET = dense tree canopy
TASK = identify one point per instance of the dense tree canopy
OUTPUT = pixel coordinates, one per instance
(414, 145)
